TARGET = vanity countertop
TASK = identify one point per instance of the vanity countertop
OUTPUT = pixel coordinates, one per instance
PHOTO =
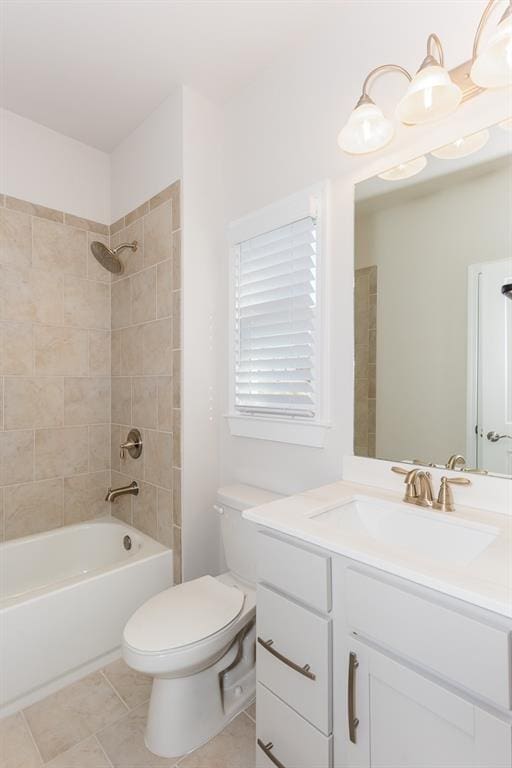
(486, 581)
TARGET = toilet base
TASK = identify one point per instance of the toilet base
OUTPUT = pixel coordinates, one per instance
(186, 712)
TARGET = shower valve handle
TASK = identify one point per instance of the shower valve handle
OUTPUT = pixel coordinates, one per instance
(133, 445)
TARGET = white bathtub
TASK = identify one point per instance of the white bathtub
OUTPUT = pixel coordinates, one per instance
(65, 597)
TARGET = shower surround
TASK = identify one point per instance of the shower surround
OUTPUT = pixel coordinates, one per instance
(70, 336)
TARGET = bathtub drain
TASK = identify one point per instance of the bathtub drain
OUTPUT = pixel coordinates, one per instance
(127, 542)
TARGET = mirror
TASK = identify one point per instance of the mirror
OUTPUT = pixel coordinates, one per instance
(433, 308)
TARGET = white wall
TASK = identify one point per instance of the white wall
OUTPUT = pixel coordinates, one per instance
(47, 168)
(149, 159)
(280, 138)
(202, 249)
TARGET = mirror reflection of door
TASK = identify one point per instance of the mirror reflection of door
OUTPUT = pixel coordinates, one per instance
(490, 368)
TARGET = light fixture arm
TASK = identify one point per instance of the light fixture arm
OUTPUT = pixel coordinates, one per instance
(483, 21)
(433, 40)
(374, 74)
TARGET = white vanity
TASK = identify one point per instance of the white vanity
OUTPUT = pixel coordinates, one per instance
(384, 633)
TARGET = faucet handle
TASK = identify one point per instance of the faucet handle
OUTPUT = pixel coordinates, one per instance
(133, 445)
(445, 498)
(400, 470)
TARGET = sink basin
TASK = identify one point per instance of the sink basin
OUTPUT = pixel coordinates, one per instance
(425, 533)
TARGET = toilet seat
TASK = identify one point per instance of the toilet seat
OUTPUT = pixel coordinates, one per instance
(183, 615)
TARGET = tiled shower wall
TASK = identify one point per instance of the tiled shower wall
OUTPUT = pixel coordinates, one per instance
(59, 364)
(54, 370)
(146, 302)
(365, 411)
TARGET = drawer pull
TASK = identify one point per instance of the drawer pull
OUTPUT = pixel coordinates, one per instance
(305, 670)
(353, 722)
(267, 750)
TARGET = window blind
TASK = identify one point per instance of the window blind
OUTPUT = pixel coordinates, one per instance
(275, 321)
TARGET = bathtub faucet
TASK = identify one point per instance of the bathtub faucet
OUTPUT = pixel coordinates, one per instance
(113, 493)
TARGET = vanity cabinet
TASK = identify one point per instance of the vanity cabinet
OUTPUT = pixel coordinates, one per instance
(357, 668)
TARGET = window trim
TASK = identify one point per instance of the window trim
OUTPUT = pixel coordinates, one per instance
(292, 429)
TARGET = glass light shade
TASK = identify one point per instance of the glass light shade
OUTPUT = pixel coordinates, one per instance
(405, 170)
(431, 95)
(492, 67)
(463, 147)
(366, 130)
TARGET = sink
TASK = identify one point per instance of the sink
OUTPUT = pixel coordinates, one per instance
(420, 532)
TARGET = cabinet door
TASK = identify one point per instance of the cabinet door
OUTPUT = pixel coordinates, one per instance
(407, 721)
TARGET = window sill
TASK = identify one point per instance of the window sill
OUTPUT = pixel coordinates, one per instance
(279, 430)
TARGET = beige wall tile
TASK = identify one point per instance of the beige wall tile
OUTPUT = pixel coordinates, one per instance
(115, 442)
(121, 303)
(132, 261)
(16, 350)
(157, 348)
(157, 234)
(67, 717)
(132, 342)
(122, 400)
(176, 259)
(84, 497)
(94, 270)
(33, 209)
(61, 452)
(158, 459)
(176, 320)
(99, 447)
(86, 303)
(165, 413)
(122, 506)
(176, 554)
(30, 295)
(59, 248)
(17, 750)
(2, 515)
(164, 289)
(176, 379)
(117, 226)
(61, 351)
(115, 353)
(164, 518)
(81, 223)
(176, 204)
(86, 400)
(145, 403)
(143, 297)
(15, 239)
(136, 213)
(162, 197)
(33, 508)
(176, 442)
(145, 510)
(33, 402)
(16, 456)
(99, 353)
(176, 496)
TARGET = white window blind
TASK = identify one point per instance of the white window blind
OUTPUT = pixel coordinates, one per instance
(275, 322)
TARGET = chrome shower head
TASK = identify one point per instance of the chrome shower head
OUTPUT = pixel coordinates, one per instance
(108, 257)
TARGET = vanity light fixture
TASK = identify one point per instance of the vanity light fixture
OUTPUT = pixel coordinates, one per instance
(404, 170)
(462, 147)
(434, 92)
(506, 125)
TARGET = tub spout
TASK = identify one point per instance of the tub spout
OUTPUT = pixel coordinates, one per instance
(113, 493)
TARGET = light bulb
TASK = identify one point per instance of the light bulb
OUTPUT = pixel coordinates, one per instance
(462, 147)
(366, 130)
(404, 170)
(492, 67)
(431, 95)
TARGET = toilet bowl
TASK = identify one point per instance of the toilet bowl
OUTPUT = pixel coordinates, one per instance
(197, 639)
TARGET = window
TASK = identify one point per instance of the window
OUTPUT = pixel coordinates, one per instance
(276, 318)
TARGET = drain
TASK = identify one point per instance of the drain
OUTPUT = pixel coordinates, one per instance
(127, 542)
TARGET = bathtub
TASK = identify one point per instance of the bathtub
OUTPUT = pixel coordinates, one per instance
(65, 597)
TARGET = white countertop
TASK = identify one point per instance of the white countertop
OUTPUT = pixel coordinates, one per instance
(485, 582)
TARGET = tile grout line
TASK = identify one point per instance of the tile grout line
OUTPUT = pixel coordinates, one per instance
(31, 735)
(107, 758)
(111, 685)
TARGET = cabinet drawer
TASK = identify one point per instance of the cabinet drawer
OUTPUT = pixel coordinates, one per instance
(455, 646)
(298, 571)
(293, 656)
(295, 743)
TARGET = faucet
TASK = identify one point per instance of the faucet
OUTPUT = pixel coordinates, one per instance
(418, 486)
(113, 493)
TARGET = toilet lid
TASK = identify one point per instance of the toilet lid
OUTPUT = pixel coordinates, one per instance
(183, 614)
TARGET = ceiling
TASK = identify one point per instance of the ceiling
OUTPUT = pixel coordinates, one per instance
(95, 69)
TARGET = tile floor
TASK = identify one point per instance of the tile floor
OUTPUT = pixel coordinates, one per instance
(99, 721)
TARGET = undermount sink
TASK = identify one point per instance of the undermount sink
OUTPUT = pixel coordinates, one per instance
(425, 533)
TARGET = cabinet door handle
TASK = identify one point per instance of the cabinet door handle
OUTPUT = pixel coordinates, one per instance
(267, 750)
(353, 722)
(305, 670)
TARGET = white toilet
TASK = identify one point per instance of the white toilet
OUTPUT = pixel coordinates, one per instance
(197, 639)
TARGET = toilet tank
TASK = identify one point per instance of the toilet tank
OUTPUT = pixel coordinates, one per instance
(239, 535)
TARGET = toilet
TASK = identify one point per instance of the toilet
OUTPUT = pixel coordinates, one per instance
(197, 639)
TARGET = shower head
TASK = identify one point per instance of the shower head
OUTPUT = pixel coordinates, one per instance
(507, 290)
(108, 257)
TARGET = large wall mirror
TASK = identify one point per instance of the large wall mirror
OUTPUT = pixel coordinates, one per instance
(433, 308)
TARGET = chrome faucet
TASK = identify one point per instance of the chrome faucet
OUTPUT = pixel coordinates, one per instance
(113, 493)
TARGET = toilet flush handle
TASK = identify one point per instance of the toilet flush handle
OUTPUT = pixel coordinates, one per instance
(218, 509)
